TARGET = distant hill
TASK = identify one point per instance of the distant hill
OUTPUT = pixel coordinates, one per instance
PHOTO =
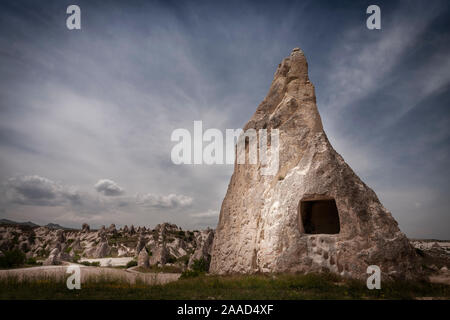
(28, 223)
(31, 224)
(56, 226)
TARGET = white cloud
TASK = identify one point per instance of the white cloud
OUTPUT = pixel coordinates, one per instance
(109, 188)
(160, 201)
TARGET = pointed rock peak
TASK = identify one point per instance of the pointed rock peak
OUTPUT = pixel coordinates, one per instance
(291, 100)
(315, 214)
(293, 67)
(298, 66)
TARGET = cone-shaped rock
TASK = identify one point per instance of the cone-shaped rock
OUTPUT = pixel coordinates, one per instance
(315, 214)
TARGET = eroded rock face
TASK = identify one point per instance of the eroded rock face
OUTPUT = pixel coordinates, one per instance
(204, 244)
(53, 258)
(141, 244)
(159, 255)
(102, 250)
(315, 214)
(143, 259)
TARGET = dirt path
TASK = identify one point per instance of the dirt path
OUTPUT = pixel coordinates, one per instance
(110, 262)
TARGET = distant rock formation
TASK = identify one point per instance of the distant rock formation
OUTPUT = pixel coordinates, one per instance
(204, 243)
(102, 250)
(85, 227)
(159, 255)
(167, 243)
(315, 214)
(143, 259)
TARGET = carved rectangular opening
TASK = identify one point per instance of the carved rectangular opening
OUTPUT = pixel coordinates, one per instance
(319, 216)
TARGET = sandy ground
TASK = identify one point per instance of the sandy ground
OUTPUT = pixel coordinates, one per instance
(88, 272)
(443, 278)
(110, 262)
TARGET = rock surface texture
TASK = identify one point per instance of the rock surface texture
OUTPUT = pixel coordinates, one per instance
(315, 214)
(143, 259)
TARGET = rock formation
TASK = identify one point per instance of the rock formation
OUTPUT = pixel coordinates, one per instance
(102, 250)
(140, 244)
(76, 246)
(169, 243)
(143, 259)
(53, 258)
(315, 214)
(85, 227)
(204, 244)
(159, 255)
(112, 229)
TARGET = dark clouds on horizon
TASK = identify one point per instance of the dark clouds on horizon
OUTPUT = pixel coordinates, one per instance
(86, 116)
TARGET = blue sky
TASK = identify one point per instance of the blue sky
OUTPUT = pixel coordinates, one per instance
(86, 116)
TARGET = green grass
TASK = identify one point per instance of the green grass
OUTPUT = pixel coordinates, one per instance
(283, 286)
(131, 263)
(164, 269)
(90, 264)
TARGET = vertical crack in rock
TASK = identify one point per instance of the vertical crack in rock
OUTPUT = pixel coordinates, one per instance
(259, 227)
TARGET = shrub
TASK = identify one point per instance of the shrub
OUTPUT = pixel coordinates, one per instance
(131, 263)
(90, 264)
(201, 265)
(181, 234)
(190, 274)
(32, 261)
(171, 259)
(190, 236)
(43, 253)
(12, 258)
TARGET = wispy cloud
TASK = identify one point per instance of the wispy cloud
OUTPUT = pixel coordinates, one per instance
(208, 214)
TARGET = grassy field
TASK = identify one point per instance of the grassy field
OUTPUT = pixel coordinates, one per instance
(155, 269)
(285, 286)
